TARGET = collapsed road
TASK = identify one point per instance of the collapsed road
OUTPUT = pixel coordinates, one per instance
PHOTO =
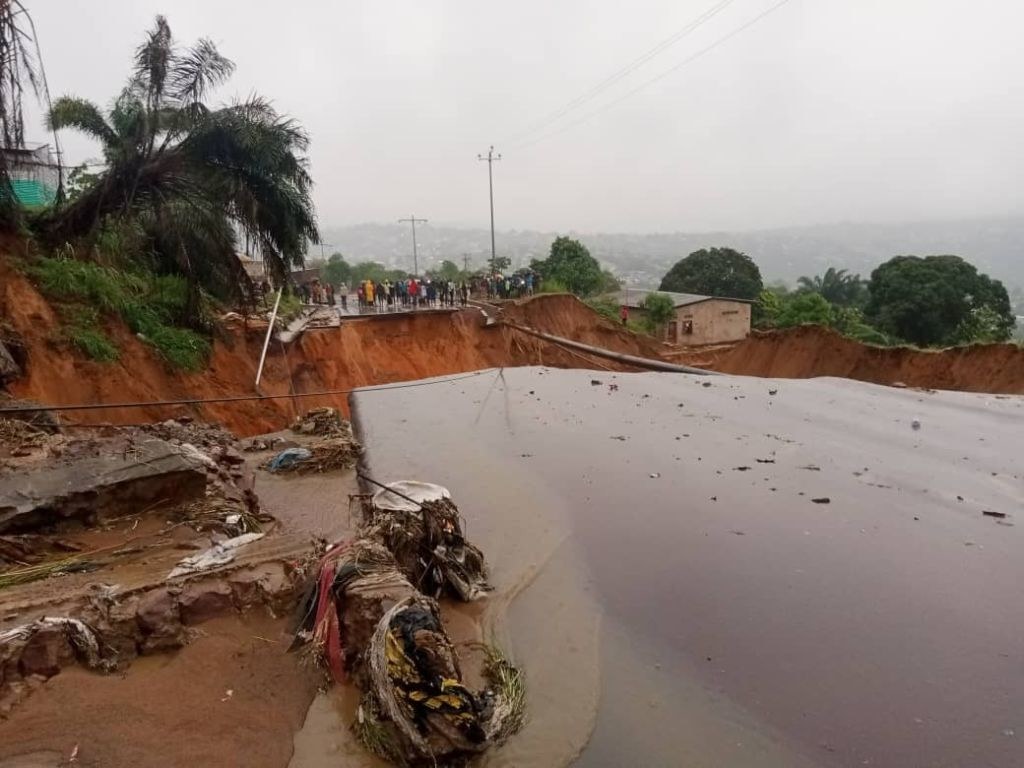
(740, 622)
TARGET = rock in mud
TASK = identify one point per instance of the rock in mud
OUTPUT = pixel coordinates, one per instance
(202, 601)
(46, 652)
(159, 618)
(9, 369)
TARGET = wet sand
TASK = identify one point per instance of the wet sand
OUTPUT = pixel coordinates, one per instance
(740, 622)
(232, 697)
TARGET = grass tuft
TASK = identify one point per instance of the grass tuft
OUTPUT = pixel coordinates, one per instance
(149, 304)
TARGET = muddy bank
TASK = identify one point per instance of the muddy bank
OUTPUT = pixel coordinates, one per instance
(363, 351)
(231, 697)
(788, 564)
(810, 351)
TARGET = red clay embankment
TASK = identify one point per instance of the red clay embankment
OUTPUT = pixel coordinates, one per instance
(808, 351)
(364, 351)
(404, 347)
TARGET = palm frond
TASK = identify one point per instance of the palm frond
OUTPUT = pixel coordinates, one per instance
(197, 71)
(82, 115)
(153, 60)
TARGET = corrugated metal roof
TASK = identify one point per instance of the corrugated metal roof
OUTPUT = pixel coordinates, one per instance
(635, 296)
(32, 193)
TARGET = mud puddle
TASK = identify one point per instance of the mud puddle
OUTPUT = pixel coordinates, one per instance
(782, 572)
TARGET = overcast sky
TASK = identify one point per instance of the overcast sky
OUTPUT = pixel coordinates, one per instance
(824, 110)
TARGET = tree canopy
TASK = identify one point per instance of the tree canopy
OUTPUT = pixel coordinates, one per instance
(570, 264)
(337, 271)
(659, 309)
(191, 176)
(837, 286)
(938, 300)
(715, 272)
(448, 270)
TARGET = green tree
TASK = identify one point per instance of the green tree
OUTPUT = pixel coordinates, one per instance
(448, 270)
(194, 176)
(715, 272)
(803, 308)
(837, 286)
(609, 282)
(936, 300)
(337, 271)
(570, 264)
(659, 309)
(369, 270)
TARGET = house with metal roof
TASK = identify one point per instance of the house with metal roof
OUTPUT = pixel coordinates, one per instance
(699, 319)
(33, 173)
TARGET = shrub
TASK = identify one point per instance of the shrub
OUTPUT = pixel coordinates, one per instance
(94, 343)
(148, 304)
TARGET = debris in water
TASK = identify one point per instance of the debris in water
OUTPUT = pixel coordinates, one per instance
(811, 468)
(822, 500)
(415, 708)
(741, 469)
(773, 391)
(655, 475)
(993, 513)
(765, 461)
(217, 555)
(915, 423)
(595, 382)
(289, 459)
(618, 437)
(705, 383)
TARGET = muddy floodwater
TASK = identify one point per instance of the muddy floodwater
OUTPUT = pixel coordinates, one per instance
(728, 571)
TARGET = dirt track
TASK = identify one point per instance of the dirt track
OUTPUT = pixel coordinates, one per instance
(407, 347)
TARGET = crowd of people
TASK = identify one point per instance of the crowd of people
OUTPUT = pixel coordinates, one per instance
(515, 286)
(416, 293)
(412, 293)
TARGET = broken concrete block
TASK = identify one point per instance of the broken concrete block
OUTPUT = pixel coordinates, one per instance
(100, 487)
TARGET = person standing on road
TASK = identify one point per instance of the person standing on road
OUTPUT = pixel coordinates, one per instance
(624, 314)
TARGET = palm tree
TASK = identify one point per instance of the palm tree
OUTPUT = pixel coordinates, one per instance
(838, 286)
(190, 176)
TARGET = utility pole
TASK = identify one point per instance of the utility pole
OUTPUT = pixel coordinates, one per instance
(465, 263)
(415, 256)
(490, 158)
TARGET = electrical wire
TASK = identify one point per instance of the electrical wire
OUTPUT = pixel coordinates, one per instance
(689, 60)
(618, 75)
(234, 398)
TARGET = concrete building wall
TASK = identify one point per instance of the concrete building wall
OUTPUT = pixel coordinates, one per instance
(710, 322)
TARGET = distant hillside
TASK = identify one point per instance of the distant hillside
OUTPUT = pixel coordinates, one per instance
(996, 245)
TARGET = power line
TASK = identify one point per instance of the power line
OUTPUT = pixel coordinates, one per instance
(415, 255)
(671, 70)
(491, 158)
(626, 70)
(233, 399)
